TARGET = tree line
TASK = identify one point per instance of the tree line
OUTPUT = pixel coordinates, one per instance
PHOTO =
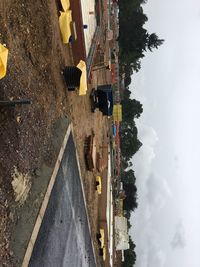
(134, 41)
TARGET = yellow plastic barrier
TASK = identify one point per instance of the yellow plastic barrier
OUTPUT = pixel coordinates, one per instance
(65, 4)
(104, 253)
(98, 183)
(102, 238)
(3, 60)
(65, 20)
(83, 80)
(117, 112)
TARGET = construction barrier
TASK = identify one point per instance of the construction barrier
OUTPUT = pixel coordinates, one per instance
(3, 60)
(117, 112)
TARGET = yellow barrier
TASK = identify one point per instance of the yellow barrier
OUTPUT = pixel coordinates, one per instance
(3, 60)
(65, 4)
(65, 20)
(117, 112)
(98, 184)
(83, 80)
(102, 238)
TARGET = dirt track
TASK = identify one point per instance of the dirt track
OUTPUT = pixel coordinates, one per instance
(34, 65)
(27, 133)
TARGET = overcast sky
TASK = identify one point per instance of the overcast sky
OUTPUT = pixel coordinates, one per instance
(166, 225)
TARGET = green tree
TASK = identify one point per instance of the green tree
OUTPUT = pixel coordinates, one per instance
(130, 202)
(128, 177)
(131, 109)
(130, 143)
(153, 41)
(130, 147)
(134, 39)
(125, 164)
(130, 255)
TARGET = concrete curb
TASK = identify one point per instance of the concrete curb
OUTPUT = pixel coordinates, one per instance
(41, 213)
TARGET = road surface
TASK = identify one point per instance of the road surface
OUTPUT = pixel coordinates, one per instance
(64, 239)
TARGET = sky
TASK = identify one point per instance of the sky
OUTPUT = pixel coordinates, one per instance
(166, 225)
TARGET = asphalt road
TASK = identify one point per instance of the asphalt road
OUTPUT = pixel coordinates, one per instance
(64, 239)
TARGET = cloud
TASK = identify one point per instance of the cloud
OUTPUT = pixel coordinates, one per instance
(147, 134)
(152, 189)
(158, 258)
(142, 160)
(158, 191)
(150, 253)
(178, 240)
(153, 192)
(142, 164)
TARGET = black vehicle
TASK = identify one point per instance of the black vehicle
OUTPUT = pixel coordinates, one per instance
(102, 98)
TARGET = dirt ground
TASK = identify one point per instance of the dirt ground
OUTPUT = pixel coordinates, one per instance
(30, 135)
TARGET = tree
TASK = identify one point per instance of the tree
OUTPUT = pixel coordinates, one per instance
(128, 177)
(131, 109)
(125, 164)
(134, 39)
(130, 202)
(130, 143)
(153, 41)
(130, 255)
(130, 147)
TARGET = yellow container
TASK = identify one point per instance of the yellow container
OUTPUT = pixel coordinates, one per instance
(83, 81)
(65, 4)
(98, 184)
(65, 20)
(3, 60)
(117, 112)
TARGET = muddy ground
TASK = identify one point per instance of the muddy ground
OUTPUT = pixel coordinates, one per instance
(30, 135)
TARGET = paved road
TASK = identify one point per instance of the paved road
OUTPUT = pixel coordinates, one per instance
(64, 239)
